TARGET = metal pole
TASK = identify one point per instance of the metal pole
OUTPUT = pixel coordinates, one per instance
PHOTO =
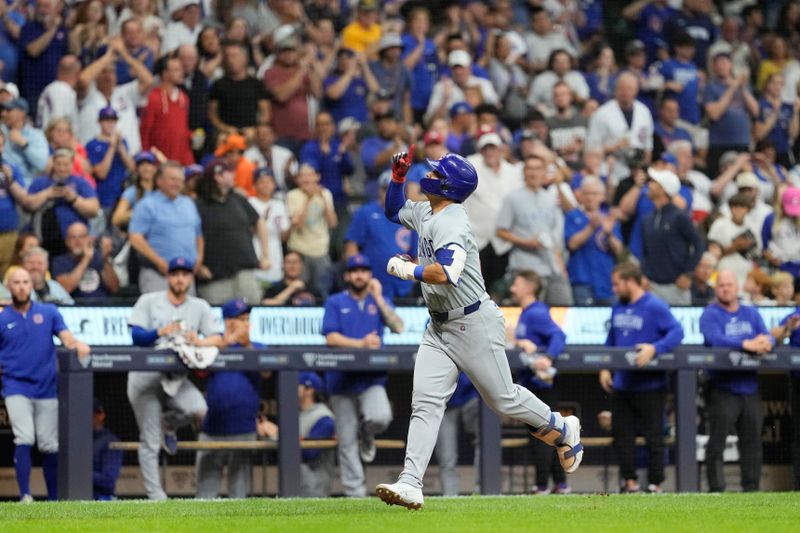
(491, 451)
(75, 400)
(686, 430)
(289, 435)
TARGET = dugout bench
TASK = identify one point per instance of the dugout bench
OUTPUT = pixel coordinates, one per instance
(76, 394)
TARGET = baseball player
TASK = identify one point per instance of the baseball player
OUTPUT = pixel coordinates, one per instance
(155, 315)
(356, 318)
(541, 338)
(28, 362)
(466, 331)
(233, 402)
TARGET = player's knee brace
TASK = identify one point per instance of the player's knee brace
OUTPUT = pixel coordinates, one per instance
(553, 433)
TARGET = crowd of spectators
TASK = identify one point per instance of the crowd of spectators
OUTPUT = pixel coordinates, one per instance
(252, 138)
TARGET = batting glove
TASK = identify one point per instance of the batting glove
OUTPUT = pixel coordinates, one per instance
(401, 266)
(400, 164)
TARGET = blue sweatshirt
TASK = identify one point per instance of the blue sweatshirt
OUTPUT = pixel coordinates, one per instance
(648, 320)
(725, 329)
(536, 325)
(106, 464)
(233, 400)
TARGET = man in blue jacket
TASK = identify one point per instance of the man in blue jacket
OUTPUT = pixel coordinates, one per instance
(733, 398)
(356, 318)
(541, 338)
(233, 400)
(644, 322)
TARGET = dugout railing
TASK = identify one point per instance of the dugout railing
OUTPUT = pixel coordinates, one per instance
(76, 393)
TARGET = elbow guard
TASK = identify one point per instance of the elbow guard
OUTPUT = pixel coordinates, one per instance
(453, 258)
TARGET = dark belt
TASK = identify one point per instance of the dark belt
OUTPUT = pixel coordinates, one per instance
(455, 313)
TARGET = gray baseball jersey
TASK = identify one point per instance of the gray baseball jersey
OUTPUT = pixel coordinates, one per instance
(440, 236)
(153, 311)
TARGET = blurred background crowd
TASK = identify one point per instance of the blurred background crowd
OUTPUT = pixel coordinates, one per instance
(253, 138)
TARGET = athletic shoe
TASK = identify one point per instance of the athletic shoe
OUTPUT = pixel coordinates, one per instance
(366, 448)
(570, 451)
(540, 490)
(630, 487)
(654, 489)
(562, 488)
(26, 499)
(170, 442)
(401, 494)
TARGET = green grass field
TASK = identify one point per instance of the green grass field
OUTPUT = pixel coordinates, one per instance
(641, 513)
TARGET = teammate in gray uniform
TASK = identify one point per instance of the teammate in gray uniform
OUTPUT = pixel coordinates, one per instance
(153, 394)
(466, 331)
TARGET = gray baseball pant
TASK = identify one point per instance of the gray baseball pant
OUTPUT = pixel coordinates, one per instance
(475, 344)
(34, 421)
(210, 463)
(371, 411)
(466, 417)
(149, 403)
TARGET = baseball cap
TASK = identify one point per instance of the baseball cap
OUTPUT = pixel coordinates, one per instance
(358, 261)
(98, 406)
(459, 58)
(176, 5)
(791, 201)
(234, 141)
(311, 380)
(634, 47)
(667, 179)
(180, 263)
(17, 103)
(235, 308)
(368, 5)
(347, 124)
(433, 137)
(459, 108)
(389, 40)
(745, 180)
(145, 157)
(489, 139)
(721, 53)
(667, 157)
(288, 43)
(261, 172)
(385, 178)
(192, 170)
(107, 113)
(11, 88)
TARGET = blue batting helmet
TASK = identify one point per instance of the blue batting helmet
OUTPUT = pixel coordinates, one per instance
(457, 178)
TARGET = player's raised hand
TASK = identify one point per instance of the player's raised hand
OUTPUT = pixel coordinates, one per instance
(401, 162)
(401, 266)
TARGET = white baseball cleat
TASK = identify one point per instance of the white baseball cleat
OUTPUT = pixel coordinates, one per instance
(401, 494)
(570, 451)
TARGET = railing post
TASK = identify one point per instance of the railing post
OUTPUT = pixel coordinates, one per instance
(289, 435)
(75, 404)
(686, 430)
(491, 451)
